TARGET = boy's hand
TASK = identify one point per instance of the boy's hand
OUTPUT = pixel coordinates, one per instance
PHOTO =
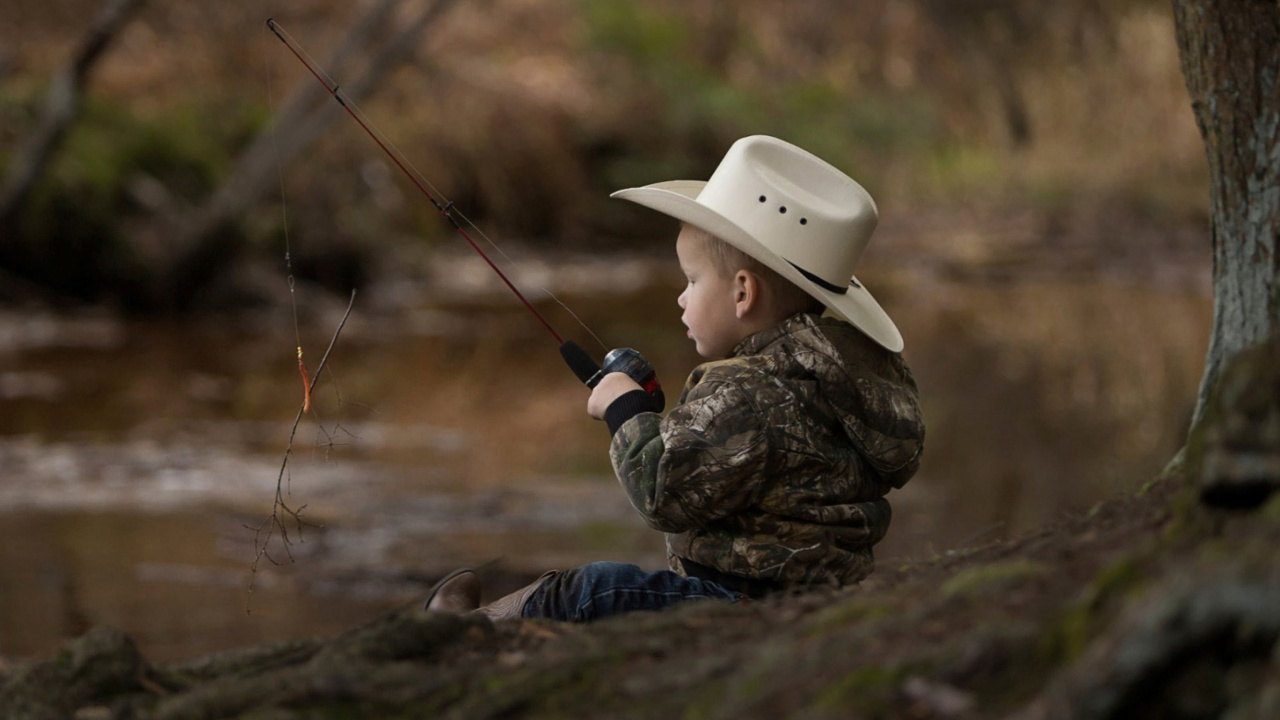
(610, 388)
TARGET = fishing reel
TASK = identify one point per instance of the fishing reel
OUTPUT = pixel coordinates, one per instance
(623, 360)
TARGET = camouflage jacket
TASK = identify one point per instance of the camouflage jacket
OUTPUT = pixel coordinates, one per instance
(774, 464)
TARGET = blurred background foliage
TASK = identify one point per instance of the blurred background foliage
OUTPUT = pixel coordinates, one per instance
(527, 113)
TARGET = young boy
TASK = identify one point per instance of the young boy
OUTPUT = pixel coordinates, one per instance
(771, 471)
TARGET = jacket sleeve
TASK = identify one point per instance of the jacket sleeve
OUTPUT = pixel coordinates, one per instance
(704, 461)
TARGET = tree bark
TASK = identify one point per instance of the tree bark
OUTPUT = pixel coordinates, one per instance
(1231, 63)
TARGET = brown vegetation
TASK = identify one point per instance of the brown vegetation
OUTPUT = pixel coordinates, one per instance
(527, 114)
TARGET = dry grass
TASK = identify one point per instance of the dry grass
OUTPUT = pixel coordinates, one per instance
(527, 112)
(1120, 125)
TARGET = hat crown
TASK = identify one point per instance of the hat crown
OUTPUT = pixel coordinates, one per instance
(797, 205)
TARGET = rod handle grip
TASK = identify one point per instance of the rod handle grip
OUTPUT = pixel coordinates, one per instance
(580, 362)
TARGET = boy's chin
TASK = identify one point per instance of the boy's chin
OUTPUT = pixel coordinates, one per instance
(709, 354)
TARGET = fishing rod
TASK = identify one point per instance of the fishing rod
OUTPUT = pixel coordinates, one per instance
(625, 360)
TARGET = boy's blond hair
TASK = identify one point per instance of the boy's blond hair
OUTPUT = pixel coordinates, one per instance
(787, 298)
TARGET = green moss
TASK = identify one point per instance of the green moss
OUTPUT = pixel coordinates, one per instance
(711, 697)
(1078, 624)
(1270, 512)
(1195, 447)
(850, 612)
(1173, 470)
(582, 685)
(986, 579)
(750, 688)
(494, 684)
(1188, 518)
(869, 689)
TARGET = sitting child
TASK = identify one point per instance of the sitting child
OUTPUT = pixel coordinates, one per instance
(771, 471)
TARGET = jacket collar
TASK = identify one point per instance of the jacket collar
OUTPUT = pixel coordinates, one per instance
(757, 343)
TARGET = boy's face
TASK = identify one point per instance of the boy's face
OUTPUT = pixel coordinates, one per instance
(707, 300)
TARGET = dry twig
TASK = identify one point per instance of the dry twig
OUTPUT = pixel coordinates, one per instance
(281, 512)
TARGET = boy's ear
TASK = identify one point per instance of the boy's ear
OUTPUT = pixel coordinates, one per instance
(746, 293)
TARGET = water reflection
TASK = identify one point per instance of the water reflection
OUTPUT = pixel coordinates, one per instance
(166, 578)
(135, 460)
(1042, 400)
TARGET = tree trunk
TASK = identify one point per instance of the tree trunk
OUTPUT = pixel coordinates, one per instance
(1231, 61)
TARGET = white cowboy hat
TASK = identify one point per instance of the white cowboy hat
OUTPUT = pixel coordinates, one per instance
(792, 211)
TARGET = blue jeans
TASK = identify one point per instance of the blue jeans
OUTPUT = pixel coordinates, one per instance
(598, 590)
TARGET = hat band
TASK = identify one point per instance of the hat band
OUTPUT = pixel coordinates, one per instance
(829, 287)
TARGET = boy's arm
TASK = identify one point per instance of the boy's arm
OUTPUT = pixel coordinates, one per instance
(701, 463)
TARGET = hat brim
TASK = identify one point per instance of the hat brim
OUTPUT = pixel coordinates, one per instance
(679, 199)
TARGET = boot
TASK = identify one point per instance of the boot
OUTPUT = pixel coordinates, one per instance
(512, 606)
(457, 592)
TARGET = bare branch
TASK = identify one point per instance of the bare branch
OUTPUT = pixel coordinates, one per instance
(281, 513)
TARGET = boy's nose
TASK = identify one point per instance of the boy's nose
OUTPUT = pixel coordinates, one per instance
(680, 300)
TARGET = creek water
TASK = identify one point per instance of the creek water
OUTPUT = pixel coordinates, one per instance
(140, 459)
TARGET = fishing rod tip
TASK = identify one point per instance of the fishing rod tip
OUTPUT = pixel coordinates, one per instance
(271, 23)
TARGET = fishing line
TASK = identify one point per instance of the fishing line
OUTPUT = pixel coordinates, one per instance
(549, 294)
(284, 218)
(437, 198)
